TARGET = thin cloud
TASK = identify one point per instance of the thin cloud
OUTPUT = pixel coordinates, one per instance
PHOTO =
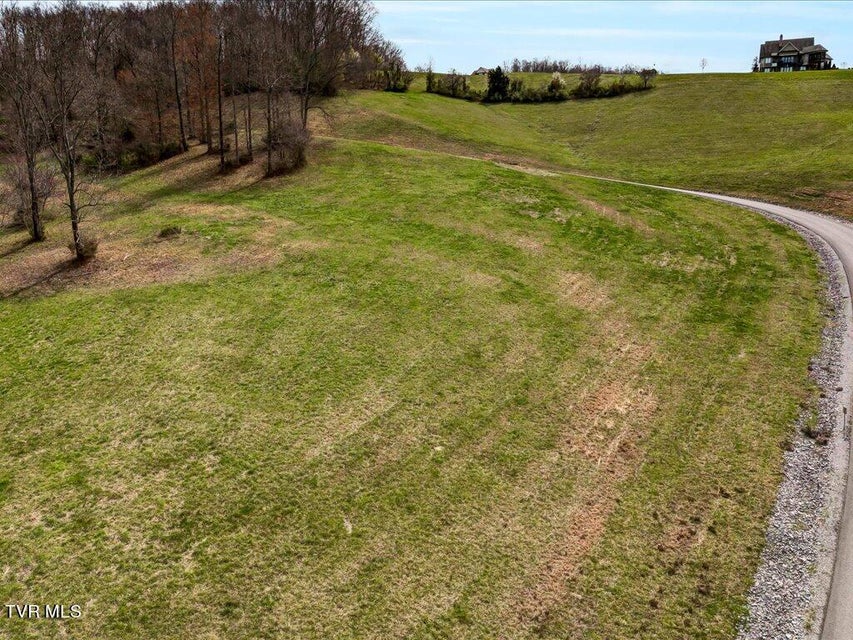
(806, 10)
(595, 32)
(403, 8)
(417, 41)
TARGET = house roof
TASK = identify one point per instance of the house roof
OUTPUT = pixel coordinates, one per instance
(814, 49)
(772, 47)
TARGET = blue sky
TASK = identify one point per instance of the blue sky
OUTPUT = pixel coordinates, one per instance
(673, 36)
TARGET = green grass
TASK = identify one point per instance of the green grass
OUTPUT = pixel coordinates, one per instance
(781, 137)
(460, 401)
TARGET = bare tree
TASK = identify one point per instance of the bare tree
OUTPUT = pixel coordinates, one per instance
(647, 75)
(101, 26)
(220, 57)
(321, 38)
(200, 46)
(18, 83)
(232, 44)
(25, 185)
(67, 104)
(111, 79)
(272, 74)
(172, 17)
(246, 23)
(703, 63)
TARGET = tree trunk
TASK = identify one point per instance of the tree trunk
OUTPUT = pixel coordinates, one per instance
(219, 103)
(249, 125)
(234, 112)
(203, 118)
(38, 226)
(190, 128)
(269, 130)
(205, 92)
(236, 128)
(184, 145)
(202, 121)
(71, 185)
(159, 120)
(249, 104)
(303, 107)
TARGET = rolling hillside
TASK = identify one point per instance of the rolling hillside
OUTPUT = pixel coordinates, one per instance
(780, 137)
(409, 393)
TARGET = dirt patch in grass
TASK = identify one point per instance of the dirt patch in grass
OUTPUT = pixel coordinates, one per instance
(481, 279)
(840, 201)
(525, 242)
(524, 168)
(606, 427)
(622, 219)
(126, 260)
(580, 290)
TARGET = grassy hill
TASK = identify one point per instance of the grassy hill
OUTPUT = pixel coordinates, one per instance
(399, 394)
(785, 138)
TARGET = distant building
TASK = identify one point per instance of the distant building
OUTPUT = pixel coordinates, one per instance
(795, 54)
(480, 72)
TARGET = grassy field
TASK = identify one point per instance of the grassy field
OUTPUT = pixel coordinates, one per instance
(398, 394)
(785, 138)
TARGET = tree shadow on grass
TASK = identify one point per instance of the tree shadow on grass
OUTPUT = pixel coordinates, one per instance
(199, 175)
(17, 246)
(69, 266)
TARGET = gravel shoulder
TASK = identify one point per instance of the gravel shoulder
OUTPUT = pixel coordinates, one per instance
(803, 589)
(792, 584)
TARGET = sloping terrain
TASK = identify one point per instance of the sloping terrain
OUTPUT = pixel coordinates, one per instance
(398, 394)
(786, 138)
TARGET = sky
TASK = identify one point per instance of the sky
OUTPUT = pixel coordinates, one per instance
(672, 36)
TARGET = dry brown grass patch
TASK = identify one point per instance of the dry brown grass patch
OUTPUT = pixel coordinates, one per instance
(580, 290)
(621, 219)
(524, 168)
(606, 426)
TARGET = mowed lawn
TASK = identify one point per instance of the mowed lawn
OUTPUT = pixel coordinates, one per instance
(398, 395)
(781, 137)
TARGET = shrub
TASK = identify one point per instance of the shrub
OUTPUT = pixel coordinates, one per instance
(170, 231)
(17, 197)
(169, 150)
(556, 88)
(498, 90)
(287, 144)
(398, 79)
(213, 148)
(516, 89)
(452, 84)
(647, 75)
(430, 80)
(144, 154)
(395, 74)
(590, 83)
(88, 247)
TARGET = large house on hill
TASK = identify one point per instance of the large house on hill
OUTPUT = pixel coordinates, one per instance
(795, 54)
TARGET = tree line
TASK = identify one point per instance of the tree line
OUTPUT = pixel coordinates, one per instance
(103, 88)
(502, 87)
(547, 65)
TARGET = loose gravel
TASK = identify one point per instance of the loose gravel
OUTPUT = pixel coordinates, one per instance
(791, 588)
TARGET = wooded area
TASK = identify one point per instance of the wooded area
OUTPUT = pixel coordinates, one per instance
(102, 88)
